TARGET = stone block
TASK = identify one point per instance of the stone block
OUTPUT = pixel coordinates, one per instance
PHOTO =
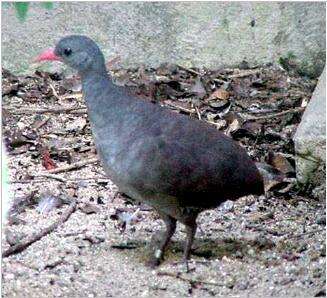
(310, 142)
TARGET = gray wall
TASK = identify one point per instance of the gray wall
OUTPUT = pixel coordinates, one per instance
(210, 34)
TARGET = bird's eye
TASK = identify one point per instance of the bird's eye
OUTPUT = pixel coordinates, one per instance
(67, 51)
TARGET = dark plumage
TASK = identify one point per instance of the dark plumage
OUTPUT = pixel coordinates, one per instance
(178, 166)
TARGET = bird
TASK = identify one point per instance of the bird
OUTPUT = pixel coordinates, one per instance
(177, 165)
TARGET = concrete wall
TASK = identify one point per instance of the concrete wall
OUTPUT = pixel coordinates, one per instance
(210, 34)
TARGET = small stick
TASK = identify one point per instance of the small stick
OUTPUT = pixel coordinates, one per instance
(197, 111)
(244, 73)
(38, 126)
(76, 96)
(181, 108)
(74, 166)
(19, 247)
(299, 109)
(189, 70)
(56, 178)
(219, 81)
(191, 280)
(52, 176)
(78, 110)
(305, 234)
(54, 92)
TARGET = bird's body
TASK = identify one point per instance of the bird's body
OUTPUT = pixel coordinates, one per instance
(177, 165)
(150, 151)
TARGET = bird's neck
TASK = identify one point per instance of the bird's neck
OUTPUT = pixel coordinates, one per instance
(94, 81)
(100, 96)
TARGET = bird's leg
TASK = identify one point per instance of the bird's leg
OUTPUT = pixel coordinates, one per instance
(170, 223)
(190, 233)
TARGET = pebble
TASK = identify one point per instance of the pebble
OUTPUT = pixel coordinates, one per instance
(247, 209)
(317, 273)
(286, 281)
(251, 252)
(13, 237)
(242, 285)
(321, 220)
(228, 206)
(9, 276)
(291, 269)
(230, 283)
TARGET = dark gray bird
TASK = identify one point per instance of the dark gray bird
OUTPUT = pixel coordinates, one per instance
(177, 165)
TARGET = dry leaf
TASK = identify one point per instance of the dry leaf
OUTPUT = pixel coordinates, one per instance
(235, 125)
(219, 94)
(280, 162)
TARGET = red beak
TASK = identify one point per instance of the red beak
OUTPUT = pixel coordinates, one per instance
(48, 55)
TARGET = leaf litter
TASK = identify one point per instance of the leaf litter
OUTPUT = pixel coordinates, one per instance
(272, 245)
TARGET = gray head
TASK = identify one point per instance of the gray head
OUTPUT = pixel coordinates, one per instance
(77, 51)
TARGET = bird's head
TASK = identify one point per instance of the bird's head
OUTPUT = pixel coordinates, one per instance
(77, 51)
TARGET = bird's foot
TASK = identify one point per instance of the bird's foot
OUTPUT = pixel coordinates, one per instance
(155, 260)
(186, 265)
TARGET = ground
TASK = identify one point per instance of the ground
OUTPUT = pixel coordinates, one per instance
(273, 245)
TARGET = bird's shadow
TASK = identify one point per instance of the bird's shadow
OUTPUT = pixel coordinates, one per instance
(207, 248)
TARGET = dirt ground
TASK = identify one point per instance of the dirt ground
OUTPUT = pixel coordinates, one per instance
(273, 245)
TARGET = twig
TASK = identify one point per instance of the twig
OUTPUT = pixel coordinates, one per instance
(57, 178)
(75, 110)
(124, 246)
(40, 124)
(191, 280)
(77, 96)
(295, 110)
(28, 181)
(181, 108)
(189, 70)
(52, 176)
(35, 237)
(74, 166)
(244, 73)
(219, 81)
(199, 115)
(54, 92)
(304, 234)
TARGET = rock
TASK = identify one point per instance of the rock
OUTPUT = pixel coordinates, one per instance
(242, 285)
(321, 220)
(310, 142)
(88, 208)
(13, 237)
(228, 206)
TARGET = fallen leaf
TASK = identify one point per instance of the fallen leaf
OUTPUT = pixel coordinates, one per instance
(235, 125)
(280, 162)
(47, 162)
(219, 94)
